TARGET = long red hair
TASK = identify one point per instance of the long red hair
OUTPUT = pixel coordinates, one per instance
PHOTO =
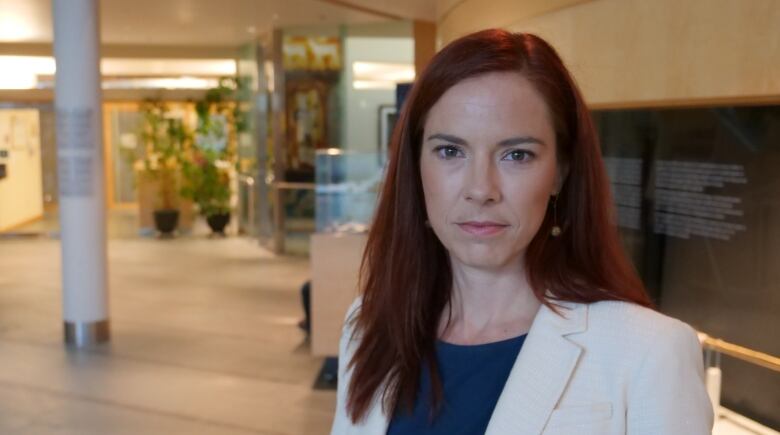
(405, 275)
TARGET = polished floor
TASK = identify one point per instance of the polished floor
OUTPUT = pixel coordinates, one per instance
(204, 342)
(123, 223)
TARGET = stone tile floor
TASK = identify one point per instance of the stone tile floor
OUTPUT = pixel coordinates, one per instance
(204, 341)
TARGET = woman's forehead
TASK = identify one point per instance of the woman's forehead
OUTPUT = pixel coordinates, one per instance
(496, 101)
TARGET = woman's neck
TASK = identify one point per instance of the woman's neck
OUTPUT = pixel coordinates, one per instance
(488, 305)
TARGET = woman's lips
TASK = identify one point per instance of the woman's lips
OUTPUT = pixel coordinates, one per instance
(482, 228)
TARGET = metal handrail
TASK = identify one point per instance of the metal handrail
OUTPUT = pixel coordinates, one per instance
(762, 359)
(293, 185)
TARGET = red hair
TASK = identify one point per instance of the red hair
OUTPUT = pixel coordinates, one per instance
(405, 275)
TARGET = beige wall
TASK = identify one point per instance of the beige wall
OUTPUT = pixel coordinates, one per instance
(21, 191)
(651, 52)
(459, 17)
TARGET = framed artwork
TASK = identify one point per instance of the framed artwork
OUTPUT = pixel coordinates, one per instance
(307, 121)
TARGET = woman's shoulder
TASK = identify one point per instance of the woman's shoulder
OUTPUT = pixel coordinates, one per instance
(638, 325)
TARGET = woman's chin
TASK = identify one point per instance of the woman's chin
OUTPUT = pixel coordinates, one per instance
(481, 258)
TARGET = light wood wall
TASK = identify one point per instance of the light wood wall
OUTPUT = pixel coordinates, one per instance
(634, 53)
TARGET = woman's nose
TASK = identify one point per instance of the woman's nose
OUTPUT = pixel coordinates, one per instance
(482, 184)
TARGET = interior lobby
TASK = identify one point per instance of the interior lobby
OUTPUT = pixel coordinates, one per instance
(186, 188)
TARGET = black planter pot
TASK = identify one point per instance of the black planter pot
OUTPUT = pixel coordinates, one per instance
(166, 221)
(218, 222)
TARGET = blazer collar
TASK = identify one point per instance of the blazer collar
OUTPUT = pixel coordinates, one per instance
(541, 372)
(536, 381)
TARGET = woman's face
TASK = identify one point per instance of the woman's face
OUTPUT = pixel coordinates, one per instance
(488, 166)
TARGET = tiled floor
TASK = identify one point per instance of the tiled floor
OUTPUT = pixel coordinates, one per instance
(122, 223)
(204, 342)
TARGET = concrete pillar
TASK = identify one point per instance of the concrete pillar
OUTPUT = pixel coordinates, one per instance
(82, 205)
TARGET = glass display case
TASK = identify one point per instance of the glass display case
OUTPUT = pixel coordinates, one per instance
(347, 185)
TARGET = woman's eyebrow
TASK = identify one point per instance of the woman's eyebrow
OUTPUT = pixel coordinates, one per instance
(519, 140)
(448, 138)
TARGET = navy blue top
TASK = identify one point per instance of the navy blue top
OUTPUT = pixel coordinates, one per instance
(473, 377)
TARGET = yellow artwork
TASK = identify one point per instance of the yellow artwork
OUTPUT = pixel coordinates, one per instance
(312, 54)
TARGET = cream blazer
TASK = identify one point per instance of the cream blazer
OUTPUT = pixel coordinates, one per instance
(606, 368)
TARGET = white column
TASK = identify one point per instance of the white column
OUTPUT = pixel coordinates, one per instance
(82, 205)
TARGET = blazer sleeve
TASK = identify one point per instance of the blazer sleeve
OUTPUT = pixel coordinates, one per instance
(341, 420)
(667, 394)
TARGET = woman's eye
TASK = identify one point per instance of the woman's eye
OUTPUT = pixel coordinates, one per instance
(447, 151)
(518, 156)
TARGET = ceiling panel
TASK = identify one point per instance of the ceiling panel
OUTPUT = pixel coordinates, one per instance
(25, 21)
(405, 9)
(200, 22)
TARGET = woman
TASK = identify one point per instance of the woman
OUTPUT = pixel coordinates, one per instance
(495, 295)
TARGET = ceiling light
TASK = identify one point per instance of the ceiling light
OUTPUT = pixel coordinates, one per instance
(13, 28)
(162, 67)
(380, 75)
(21, 72)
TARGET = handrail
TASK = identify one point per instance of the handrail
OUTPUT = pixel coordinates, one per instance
(293, 185)
(742, 353)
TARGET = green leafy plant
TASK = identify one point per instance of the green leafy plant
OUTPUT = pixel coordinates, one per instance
(208, 168)
(208, 182)
(165, 138)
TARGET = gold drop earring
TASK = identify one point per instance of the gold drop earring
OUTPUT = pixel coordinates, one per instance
(556, 229)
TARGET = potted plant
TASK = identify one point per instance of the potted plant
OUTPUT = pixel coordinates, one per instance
(207, 183)
(210, 166)
(164, 139)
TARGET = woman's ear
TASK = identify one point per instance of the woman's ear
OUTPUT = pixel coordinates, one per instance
(561, 173)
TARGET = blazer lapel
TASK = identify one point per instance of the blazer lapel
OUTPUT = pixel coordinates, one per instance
(540, 373)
